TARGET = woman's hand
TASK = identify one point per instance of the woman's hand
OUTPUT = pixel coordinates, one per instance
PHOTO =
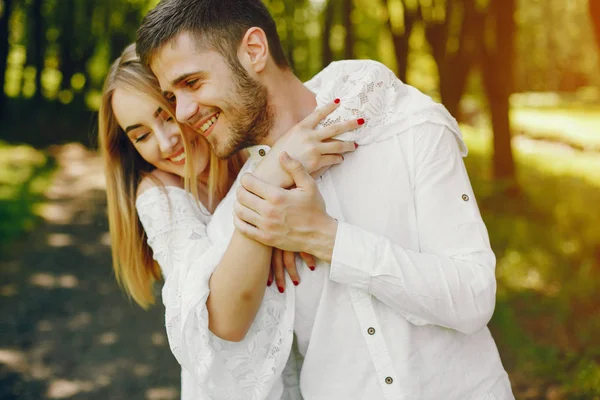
(313, 148)
(286, 260)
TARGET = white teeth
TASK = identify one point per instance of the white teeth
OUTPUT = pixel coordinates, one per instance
(179, 158)
(209, 123)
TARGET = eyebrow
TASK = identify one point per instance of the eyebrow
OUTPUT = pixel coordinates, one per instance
(199, 74)
(135, 126)
(132, 127)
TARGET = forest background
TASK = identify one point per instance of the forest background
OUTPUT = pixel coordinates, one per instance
(521, 76)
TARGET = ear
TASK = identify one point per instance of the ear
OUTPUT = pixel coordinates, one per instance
(254, 50)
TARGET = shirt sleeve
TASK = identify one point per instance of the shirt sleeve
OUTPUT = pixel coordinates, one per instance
(176, 227)
(450, 281)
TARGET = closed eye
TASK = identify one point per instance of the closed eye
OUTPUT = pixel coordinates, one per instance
(142, 137)
(170, 98)
(191, 83)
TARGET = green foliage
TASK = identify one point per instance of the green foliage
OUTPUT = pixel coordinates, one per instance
(548, 264)
(25, 174)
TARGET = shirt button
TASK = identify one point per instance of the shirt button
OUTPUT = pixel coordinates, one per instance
(371, 331)
(261, 152)
(465, 197)
(389, 380)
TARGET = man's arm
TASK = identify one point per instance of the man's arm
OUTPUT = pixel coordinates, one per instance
(449, 282)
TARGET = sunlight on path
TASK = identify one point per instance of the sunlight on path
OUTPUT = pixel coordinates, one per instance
(68, 331)
(80, 171)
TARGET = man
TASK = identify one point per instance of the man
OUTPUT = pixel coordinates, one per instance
(399, 306)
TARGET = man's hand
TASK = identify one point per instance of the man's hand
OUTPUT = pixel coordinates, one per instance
(292, 220)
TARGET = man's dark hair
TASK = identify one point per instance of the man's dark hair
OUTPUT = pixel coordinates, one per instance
(217, 24)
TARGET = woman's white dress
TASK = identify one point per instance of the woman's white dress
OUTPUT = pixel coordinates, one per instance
(175, 225)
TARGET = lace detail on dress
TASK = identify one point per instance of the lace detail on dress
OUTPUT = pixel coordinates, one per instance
(251, 369)
(370, 90)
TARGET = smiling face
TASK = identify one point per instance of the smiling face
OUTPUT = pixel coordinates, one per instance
(216, 97)
(155, 134)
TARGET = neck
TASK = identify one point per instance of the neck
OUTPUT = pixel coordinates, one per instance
(290, 102)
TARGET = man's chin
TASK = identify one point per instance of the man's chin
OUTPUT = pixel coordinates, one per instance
(222, 151)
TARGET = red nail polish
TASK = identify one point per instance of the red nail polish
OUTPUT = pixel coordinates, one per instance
(355, 145)
(360, 121)
(312, 268)
(296, 283)
(280, 289)
(269, 283)
(337, 101)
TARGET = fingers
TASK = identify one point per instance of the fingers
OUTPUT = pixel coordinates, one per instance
(246, 214)
(319, 114)
(337, 147)
(260, 188)
(289, 261)
(309, 259)
(277, 261)
(270, 278)
(319, 172)
(245, 228)
(338, 128)
(328, 160)
(295, 169)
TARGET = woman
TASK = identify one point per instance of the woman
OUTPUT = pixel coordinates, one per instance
(169, 174)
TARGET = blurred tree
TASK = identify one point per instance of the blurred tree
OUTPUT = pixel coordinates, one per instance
(401, 31)
(327, 52)
(453, 30)
(37, 44)
(594, 10)
(4, 47)
(76, 50)
(67, 63)
(497, 70)
(349, 25)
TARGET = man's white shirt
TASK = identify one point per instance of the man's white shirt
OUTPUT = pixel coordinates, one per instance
(401, 312)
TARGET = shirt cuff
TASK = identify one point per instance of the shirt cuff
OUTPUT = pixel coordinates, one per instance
(354, 256)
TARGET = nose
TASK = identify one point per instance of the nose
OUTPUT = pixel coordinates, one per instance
(185, 108)
(168, 138)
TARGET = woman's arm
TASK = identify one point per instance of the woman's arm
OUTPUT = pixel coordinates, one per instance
(237, 285)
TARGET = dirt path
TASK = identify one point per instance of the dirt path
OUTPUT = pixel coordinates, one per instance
(67, 331)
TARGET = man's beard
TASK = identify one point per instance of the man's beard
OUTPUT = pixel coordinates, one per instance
(251, 117)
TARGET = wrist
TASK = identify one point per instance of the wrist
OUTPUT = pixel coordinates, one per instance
(271, 172)
(324, 239)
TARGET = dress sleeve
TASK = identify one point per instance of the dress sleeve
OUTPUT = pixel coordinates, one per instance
(176, 227)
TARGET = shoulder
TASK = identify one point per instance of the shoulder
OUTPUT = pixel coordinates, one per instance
(157, 179)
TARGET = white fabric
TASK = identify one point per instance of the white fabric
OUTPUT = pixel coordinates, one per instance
(411, 260)
(175, 225)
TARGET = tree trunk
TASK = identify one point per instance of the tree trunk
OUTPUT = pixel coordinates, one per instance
(4, 47)
(349, 39)
(39, 43)
(454, 67)
(400, 40)
(327, 53)
(498, 80)
(67, 62)
(594, 9)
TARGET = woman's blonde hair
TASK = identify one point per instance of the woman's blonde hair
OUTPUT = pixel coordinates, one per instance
(135, 269)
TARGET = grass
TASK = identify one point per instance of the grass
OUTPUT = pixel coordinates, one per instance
(25, 174)
(547, 323)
